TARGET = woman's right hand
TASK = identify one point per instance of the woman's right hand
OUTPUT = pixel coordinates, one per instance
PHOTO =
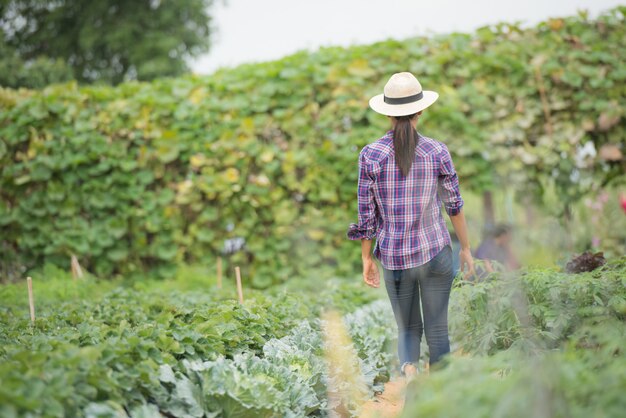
(466, 259)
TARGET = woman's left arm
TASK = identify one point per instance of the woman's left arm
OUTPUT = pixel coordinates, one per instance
(465, 255)
(453, 203)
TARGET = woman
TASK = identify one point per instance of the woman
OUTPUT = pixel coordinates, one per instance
(403, 179)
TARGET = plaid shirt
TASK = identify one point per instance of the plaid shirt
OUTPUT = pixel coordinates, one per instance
(404, 213)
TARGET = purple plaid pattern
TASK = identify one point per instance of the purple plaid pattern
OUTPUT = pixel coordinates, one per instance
(404, 213)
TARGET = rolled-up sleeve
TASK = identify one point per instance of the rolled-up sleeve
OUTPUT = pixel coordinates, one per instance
(368, 210)
(448, 184)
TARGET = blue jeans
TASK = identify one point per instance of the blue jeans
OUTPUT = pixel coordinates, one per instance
(432, 281)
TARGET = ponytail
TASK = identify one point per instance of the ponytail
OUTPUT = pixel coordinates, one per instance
(404, 142)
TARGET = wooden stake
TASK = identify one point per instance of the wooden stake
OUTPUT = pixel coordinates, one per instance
(219, 272)
(31, 300)
(77, 272)
(239, 289)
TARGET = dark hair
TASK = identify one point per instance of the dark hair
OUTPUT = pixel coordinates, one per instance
(501, 229)
(405, 140)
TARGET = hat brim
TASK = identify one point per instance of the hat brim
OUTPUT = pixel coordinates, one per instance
(377, 103)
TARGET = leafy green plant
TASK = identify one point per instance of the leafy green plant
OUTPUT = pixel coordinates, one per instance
(542, 344)
(539, 306)
(545, 337)
(578, 380)
(113, 348)
(147, 176)
(98, 350)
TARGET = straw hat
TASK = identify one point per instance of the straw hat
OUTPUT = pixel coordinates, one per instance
(403, 95)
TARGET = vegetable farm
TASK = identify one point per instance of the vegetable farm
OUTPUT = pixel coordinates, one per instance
(144, 350)
(197, 353)
(148, 185)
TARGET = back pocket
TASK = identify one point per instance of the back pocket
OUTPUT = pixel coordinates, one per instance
(441, 264)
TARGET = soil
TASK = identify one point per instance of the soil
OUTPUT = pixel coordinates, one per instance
(387, 404)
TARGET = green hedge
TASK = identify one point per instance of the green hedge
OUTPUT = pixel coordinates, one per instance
(146, 176)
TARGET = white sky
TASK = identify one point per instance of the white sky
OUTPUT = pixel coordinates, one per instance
(261, 30)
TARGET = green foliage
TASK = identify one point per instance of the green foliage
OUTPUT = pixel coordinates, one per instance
(555, 342)
(542, 307)
(113, 346)
(146, 176)
(147, 350)
(15, 73)
(567, 383)
(105, 41)
(372, 329)
(190, 353)
(291, 379)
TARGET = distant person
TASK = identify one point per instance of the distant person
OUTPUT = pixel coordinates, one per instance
(497, 247)
(404, 179)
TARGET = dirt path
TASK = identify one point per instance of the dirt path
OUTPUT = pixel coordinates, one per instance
(388, 404)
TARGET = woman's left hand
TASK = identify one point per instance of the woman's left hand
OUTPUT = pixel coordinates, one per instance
(466, 259)
(371, 276)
